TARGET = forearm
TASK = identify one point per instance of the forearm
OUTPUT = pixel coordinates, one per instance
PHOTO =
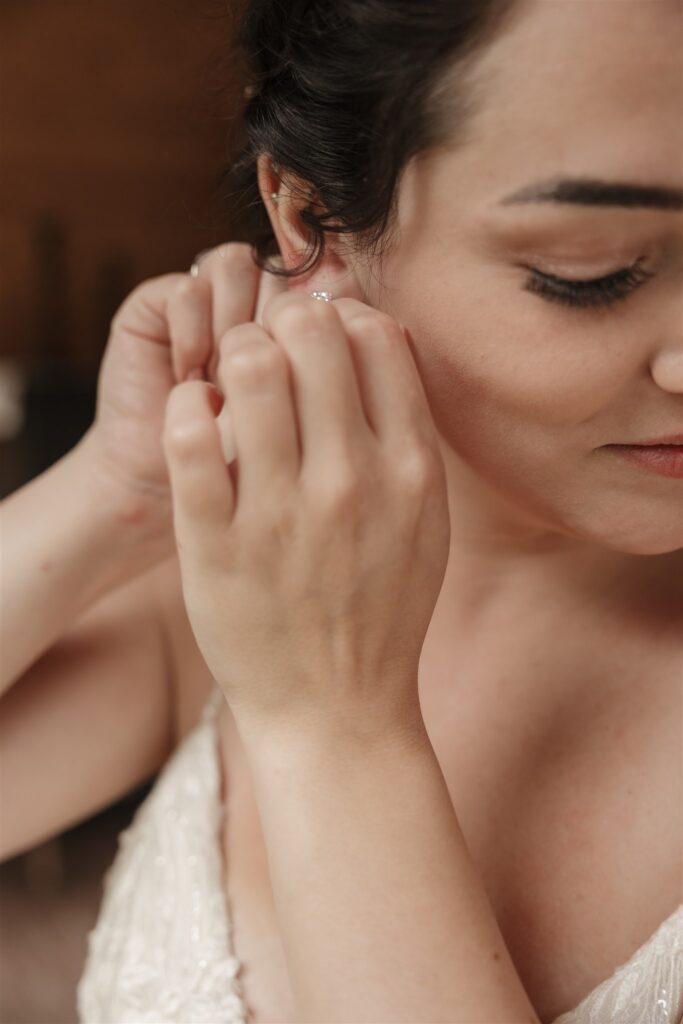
(66, 540)
(383, 914)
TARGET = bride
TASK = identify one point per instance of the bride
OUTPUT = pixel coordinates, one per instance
(410, 667)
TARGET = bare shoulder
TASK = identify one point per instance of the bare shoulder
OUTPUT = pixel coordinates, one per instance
(192, 681)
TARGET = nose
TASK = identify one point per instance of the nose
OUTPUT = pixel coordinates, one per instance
(667, 369)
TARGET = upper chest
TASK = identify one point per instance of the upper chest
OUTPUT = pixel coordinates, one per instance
(564, 761)
(569, 798)
(572, 815)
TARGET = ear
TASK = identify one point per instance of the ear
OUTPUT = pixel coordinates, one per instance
(335, 272)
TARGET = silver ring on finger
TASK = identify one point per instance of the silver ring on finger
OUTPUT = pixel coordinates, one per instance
(194, 269)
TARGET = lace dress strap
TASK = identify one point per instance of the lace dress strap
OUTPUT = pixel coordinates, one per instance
(161, 949)
(647, 989)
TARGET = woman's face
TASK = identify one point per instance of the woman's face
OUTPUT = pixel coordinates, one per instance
(526, 391)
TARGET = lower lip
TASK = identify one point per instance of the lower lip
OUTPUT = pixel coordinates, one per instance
(663, 459)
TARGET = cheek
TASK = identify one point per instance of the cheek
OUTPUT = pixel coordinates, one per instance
(492, 371)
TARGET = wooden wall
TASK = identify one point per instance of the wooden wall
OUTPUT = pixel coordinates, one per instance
(116, 118)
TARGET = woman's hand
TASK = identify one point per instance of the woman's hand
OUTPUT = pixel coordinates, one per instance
(312, 566)
(165, 330)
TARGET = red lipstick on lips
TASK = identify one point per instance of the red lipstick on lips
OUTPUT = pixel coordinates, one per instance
(663, 456)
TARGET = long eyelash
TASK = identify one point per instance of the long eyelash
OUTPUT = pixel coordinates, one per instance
(602, 291)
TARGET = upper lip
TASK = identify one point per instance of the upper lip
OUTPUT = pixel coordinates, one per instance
(671, 439)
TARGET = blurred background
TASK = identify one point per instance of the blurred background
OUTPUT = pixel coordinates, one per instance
(116, 123)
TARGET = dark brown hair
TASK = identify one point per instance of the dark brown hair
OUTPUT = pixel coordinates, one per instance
(343, 94)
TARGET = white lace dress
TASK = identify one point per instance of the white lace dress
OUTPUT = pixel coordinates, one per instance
(161, 949)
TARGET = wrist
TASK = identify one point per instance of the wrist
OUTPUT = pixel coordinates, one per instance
(346, 739)
(311, 773)
(124, 532)
(130, 519)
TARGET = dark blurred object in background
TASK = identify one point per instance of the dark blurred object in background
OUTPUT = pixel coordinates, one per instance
(115, 122)
(116, 119)
(58, 391)
(48, 899)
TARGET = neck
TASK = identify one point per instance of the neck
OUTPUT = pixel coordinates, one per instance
(499, 555)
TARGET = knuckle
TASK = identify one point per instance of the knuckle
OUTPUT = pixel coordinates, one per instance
(145, 292)
(339, 496)
(193, 288)
(283, 527)
(378, 326)
(302, 316)
(253, 361)
(233, 254)
(185, 438)
(236, 337)
(136, 294)
(419, 471)
(142, 287)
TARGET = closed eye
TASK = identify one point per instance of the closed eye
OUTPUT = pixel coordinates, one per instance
(601, 291)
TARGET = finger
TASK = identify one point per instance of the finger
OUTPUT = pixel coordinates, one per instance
(327, 398)
(189, 319)
(269, 286)
(145, 310)
(255, 377)
(234, 281)
(227, 434)
(235, 278)
(203, 498)
(392, 390)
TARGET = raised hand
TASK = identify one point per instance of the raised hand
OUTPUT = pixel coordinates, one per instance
(166, 330)
(312, 566)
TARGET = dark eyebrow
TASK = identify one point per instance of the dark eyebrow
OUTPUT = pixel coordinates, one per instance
(592, 192)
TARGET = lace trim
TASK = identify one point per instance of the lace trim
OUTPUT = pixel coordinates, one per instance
(161, 950)
(647, 989)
